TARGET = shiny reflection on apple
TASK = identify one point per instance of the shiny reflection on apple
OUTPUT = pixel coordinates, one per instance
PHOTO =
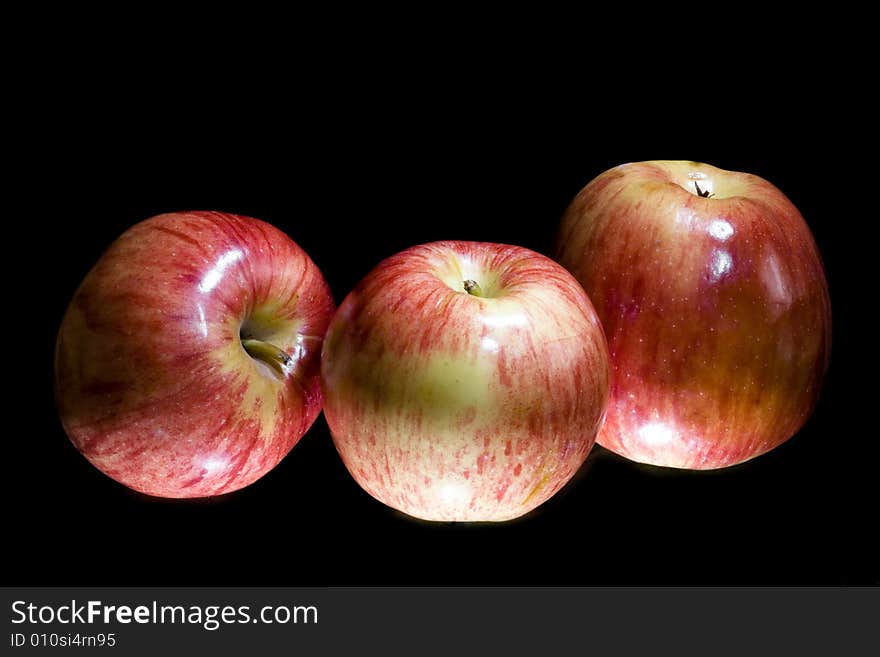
(504, 320)
(203, 324)
(213, 276)
(720, 229)
(490, 345)
(656, 433)
(778, 285)
(453, 493)
(721, 265)
(214, 464)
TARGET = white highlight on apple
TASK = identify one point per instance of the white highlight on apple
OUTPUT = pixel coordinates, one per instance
(490, 345)
(720, 229)
(214, 463)
(777, 284)
(215, 273)
(297, 353)
(299, 349)
(686, 217)
(203, 325)
(656, 433)
(721, 264)
(506, 319)
(453, 493)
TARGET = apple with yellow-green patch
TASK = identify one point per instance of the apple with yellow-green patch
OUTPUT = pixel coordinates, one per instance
(187, 363)
(465, 381)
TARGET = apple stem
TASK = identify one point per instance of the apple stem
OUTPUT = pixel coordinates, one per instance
(701, 193)
(276, 358)
(473, 288)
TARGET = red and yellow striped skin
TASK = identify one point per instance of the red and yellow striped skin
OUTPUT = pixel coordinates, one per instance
(716, 310)
(152, 383)
(449, 406)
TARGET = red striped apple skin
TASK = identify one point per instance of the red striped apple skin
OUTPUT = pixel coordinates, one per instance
(455, 407)
(153, 384)
(716, 310)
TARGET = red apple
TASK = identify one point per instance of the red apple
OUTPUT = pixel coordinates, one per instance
(714, 302)
(187, 364)
(465, 381)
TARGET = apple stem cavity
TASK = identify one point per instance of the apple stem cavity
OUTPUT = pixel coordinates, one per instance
(473, 288)
(268, 353)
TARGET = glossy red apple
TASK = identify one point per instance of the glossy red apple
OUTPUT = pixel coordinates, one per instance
(465, 381)
(187, 363)
(715, 306)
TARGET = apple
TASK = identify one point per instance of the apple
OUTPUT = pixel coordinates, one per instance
(713, 297)
(187, 363)
(465, 381)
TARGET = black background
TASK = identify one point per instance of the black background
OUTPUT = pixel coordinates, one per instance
(359, 158)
